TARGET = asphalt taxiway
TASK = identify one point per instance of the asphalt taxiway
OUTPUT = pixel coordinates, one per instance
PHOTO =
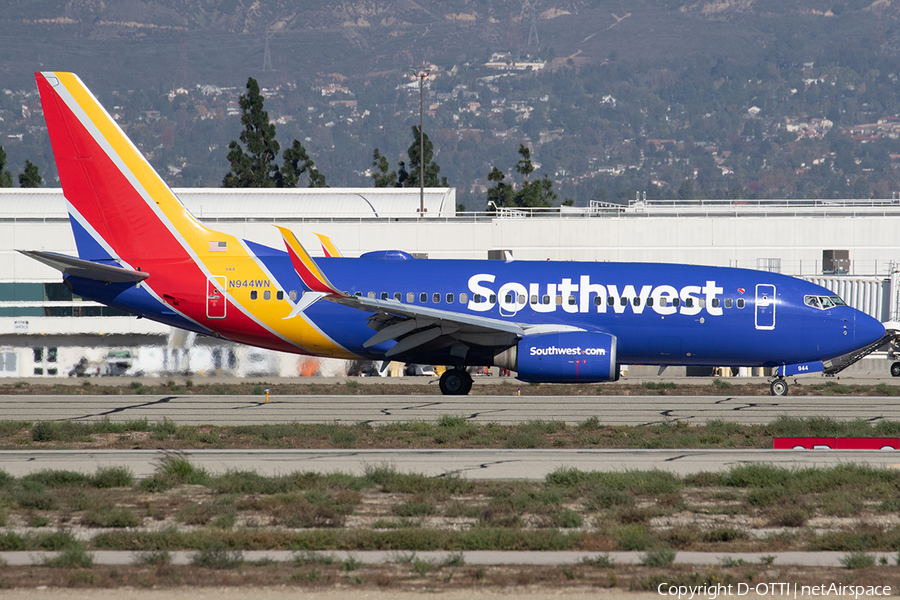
(380, 409)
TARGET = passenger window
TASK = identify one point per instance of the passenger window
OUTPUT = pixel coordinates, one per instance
(279, 295)
(449, 298)
(410, 297)
(384, 295)
(358, 294)
(740, 303)
(559, 300)
(521, 299)
(649, 301)
(676, 302)
(493, 298)
(545, 299)
(728, 302)
(571, 300)
(663, 301)
(598, 300)
(689, 302)
(636, 301)
(509, 299)
(610, 301)
(715, 303)
(701, 302)
(423, 297)
(267, 295)
(253, 295)
(371, 294)
(293, 295)
(436, 298)
(534, 299)
(463, 298)
(623, 301)
(398, 296)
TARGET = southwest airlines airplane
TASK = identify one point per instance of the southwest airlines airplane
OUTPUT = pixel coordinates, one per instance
(141, 250)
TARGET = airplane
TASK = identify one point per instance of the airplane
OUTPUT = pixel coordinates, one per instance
(142, 251)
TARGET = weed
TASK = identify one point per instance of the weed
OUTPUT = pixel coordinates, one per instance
(457, 559)
(350, 564)
(768, 560)
(217, 556)
(601, 561)
(568, 519)
(153, 557)
(858, 560)
(662, 557)
(74, 556)
(632, 537)
(39, 521)
(721, 385)
(112, 477)
(590, 424)
(114, 517)
(727, 561)
(314, 558)
(422, 567)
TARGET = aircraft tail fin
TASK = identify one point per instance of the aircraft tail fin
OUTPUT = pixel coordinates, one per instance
(119, 207)
(312, 276)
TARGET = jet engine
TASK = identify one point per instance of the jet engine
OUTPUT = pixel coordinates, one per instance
(564, 357)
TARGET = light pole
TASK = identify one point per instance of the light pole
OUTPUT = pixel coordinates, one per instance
(421, 74)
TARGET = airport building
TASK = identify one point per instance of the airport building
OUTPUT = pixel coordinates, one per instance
(850, 247)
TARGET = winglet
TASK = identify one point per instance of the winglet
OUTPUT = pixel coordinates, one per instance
(328, 246)
(312, 276)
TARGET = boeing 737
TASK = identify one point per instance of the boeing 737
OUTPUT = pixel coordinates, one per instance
(142, 251)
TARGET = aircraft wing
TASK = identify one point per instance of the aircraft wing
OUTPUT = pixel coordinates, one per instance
(86, 268)
(415, 328)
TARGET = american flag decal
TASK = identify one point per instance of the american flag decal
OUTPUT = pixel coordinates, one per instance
(218, 246)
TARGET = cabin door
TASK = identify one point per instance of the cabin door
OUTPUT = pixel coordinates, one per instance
(215, 297)
(765, 306)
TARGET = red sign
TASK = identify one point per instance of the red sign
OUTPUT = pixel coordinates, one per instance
(810, 443)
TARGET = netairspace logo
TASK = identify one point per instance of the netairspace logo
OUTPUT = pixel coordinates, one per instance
(711, 592)
(577, 351)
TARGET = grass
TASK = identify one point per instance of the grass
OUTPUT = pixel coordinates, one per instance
(449, 431)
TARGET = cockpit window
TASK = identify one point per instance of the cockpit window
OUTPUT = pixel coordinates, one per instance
(823, 302)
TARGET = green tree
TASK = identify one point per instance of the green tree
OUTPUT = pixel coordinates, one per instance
(381, 176)
(255, 167)
(5, 176)
(431, 168)
(502, 193)
(296, 163)
(531, 194)
(30, 178)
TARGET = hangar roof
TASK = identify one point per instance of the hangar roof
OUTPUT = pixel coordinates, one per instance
(211, 204)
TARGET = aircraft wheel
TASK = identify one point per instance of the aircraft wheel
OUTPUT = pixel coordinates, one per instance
(779, 387)
(455, 382)
(895, 369)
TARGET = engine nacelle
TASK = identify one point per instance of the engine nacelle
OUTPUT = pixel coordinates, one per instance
(567, 357)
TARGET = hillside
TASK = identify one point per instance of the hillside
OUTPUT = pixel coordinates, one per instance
(180, 42)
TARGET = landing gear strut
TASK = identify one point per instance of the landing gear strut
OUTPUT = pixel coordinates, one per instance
(455, 382)
(779, 387)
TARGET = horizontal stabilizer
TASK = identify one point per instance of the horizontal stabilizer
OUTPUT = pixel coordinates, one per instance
(77, 267)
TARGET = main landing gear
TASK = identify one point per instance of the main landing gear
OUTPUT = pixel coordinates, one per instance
(779, 387)
(455, 382)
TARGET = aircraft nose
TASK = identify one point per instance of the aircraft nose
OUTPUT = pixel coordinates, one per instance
(867, 330)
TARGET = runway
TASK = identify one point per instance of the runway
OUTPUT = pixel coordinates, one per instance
(490, 464)
(380, 409)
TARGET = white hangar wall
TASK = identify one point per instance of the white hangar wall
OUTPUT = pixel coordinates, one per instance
(790, 239)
